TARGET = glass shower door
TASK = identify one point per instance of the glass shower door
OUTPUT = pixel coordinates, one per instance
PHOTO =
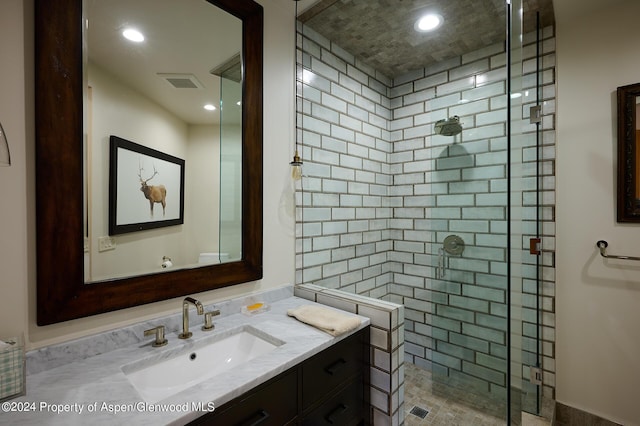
(230, 169)
(524, 222)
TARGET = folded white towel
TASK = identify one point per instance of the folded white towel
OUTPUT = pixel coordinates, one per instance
(328, 320)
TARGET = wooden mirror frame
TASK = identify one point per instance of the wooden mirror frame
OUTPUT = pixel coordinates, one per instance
(628, 209)
(61, 292)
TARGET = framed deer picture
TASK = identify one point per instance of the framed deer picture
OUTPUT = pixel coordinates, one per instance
(146, 188)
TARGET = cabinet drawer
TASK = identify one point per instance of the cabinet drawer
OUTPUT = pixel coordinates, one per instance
(344, 408)
(323, 372)
(273, 404)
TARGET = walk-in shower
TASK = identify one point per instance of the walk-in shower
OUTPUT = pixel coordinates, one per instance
(426, 183)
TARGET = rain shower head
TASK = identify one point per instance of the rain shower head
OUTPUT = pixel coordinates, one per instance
(449, 127)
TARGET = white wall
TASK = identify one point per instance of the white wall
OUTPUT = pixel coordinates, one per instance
(17, 221)
(230, 190)
(202, 194)
(118, 110)
(17, 183)
(598, 301)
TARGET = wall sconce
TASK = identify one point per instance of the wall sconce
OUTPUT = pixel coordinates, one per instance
(5, 157)
(296, 166)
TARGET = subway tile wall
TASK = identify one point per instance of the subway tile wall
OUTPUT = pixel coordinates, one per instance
(342, 217)
(386, 348)
(381, 191)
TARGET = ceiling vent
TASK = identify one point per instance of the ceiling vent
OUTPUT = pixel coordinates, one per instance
(182, 81)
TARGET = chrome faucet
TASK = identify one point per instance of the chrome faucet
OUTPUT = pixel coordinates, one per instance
(185, 316)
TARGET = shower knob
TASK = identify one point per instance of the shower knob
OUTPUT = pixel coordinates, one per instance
(453, 244)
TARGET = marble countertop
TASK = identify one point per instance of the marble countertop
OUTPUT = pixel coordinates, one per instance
(96, 391)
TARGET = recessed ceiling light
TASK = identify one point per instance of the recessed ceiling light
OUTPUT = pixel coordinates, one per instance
(133, 35)
(210, 107)
(428, 22)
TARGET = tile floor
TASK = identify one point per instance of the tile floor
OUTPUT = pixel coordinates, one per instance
(451, 406)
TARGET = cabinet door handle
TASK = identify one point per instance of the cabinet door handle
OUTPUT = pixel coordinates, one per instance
(253, 421)
(336, 412)
(335, 367)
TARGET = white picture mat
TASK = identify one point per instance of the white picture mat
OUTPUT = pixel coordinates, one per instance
(132, 206)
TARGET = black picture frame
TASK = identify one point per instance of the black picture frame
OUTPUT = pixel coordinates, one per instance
(628, 151)
(164, 201)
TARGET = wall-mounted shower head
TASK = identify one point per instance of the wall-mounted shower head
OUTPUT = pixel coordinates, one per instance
(448, 127)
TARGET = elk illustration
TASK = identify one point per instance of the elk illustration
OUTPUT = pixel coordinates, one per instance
(153, 193)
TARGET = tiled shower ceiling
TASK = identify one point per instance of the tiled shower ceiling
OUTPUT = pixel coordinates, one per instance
(380, 32)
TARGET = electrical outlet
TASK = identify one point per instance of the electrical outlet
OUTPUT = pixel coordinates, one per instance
(106, 243)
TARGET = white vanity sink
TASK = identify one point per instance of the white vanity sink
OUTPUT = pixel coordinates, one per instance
(158, 377)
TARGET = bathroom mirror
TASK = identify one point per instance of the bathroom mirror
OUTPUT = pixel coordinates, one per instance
(628, 209)
(152, 94)
(60, 85)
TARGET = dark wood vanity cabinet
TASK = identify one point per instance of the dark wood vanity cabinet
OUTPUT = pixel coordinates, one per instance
(330, 388)
(333, 384)
(272, 403)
